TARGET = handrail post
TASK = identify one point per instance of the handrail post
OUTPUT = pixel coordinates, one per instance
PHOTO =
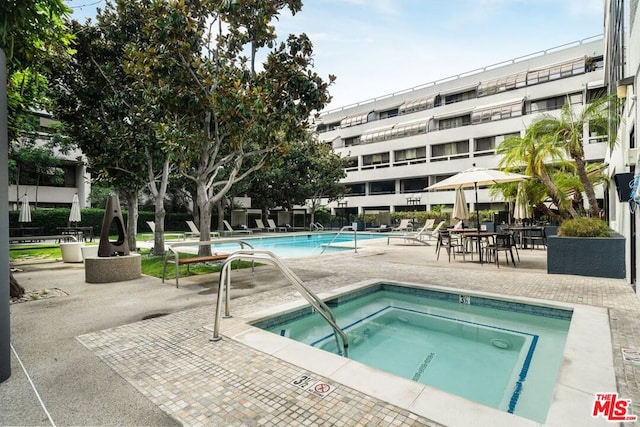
(311, 298)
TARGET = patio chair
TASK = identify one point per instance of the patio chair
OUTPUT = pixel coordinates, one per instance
(451, 244)
(405, 225)
(261, 227)
(231, 230)
(273, 225)
(534, 236)
(196, 233)
(502, 242)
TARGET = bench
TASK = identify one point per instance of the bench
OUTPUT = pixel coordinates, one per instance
(175, 250)
(35, 239)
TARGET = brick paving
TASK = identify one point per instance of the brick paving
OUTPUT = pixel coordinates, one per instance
(171, 360)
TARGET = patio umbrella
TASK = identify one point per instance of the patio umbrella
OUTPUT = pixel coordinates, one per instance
(460, 208)
(476, 177)
(25, 210)
(74, 215)
(521, 209)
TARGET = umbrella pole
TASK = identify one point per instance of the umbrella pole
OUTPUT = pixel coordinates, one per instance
(475, 186)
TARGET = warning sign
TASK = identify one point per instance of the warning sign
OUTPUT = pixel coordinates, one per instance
(313, 385)
(321, 389)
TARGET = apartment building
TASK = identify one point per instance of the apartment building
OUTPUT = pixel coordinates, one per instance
(399, 144)
(622, 69)
(41, 187)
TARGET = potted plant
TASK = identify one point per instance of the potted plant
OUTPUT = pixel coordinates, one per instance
(586, 247)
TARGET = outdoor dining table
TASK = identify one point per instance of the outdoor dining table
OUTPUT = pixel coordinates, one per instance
(473, 234)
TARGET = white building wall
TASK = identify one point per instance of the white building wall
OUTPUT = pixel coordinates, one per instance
(440, 167)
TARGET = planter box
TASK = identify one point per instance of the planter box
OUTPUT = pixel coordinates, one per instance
(587, 256)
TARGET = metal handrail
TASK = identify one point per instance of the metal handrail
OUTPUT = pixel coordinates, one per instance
(345, 228)
(267, 256)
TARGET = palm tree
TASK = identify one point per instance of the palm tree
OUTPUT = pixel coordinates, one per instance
(536, 155)
(568, 131)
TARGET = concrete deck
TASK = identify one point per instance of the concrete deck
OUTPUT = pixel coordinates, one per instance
(93, 360)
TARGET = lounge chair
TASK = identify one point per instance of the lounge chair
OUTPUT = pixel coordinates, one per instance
(273, 225)
(231, 230)
(152, 226)
(196, 233)
(261, 226)
(405, 225)
(422, 235)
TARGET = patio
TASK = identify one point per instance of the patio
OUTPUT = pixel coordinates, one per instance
(164, 370)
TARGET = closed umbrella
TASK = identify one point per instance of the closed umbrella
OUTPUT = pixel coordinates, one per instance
(460, 208)
(74, 215)
(521, 209)
(25, 210)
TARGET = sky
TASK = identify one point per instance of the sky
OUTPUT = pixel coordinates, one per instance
(378, 47)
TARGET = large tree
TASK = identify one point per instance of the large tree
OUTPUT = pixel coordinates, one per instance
(307, 171)
(223, 113)
(30, 31)
(107, 118)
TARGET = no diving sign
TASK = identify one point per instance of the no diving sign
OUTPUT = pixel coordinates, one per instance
(312, 385)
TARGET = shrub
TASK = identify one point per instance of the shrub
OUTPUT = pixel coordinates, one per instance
(584, 227)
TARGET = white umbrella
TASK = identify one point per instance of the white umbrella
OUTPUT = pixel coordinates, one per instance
(475, 177)
(460, 208)
(74, 215)
(521, 209)
(25, 210)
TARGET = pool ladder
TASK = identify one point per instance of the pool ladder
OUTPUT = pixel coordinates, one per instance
(345, 228)
(269, 257)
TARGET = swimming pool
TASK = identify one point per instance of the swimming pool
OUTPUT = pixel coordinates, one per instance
(498, 353)
(304, 245)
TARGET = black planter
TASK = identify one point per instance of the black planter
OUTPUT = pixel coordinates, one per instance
(587, 256)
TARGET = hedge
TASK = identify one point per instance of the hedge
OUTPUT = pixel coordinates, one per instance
(50, 219)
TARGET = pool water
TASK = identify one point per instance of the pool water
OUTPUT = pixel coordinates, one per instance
(304, 245)
(502, 355)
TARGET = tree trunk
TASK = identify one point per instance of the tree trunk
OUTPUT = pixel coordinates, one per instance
(158, 234)
(205, 208)
(588, 187)
(15, 290)
(132, 218)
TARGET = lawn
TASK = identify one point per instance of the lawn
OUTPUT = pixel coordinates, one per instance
(151, 265)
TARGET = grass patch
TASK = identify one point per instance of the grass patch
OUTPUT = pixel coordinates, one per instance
(153, 265)
(31, 252)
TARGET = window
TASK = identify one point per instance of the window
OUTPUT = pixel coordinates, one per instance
(352, 164)
(372, 160)
(502, 84)
(484, 144)
(557, 71)
(413, 185)
(450, 150)
(496, 112)
(553, 103)
(418, 105)
(326, 127)
(382, 187)
(399, 131)
(388, 113)
(354, 120)
(454, 122)
(410, 156)
(355, 189)
(460, 96)
(354, 140)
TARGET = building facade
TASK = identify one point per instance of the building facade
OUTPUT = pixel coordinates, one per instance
(399, 144)
(41, 188)
(622, 69)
